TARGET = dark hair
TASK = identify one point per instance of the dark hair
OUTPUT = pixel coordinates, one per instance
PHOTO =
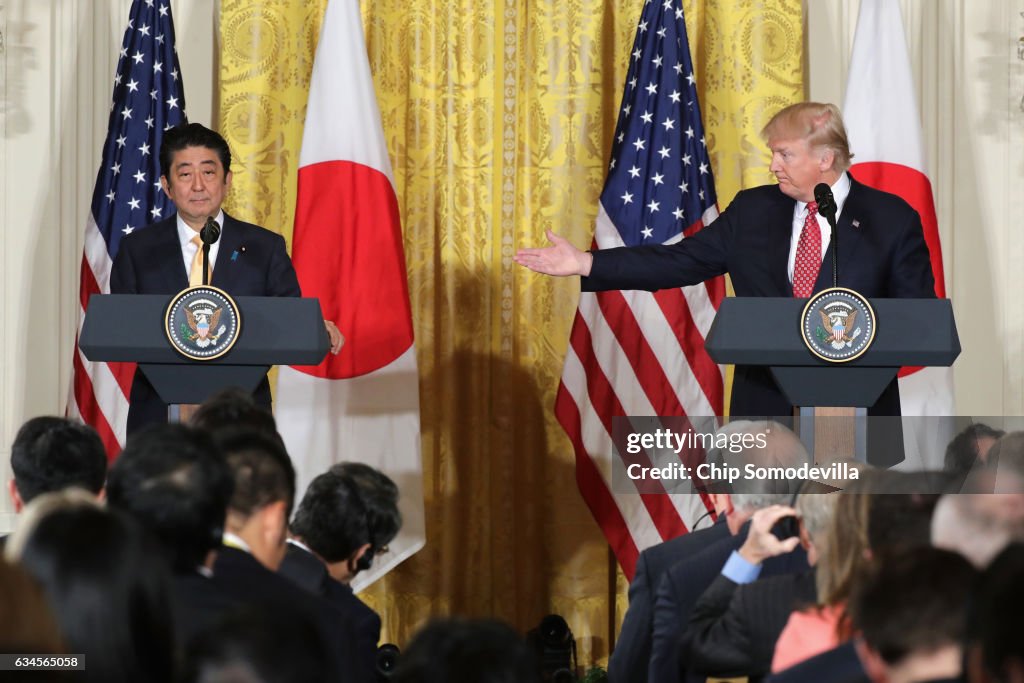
(28, 624)
(176, 482)
(261, 468)
(962, 450)
(346, 507)
(994, 619)
(108, 590)
(54, 453)
(468, 651)
(192, 135)
(900, 513)
(913, 602)
(234, 408)
(281, 645)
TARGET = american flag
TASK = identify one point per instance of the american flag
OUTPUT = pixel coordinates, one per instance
(148, 100)
(637, 353)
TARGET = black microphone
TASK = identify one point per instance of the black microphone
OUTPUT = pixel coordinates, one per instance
(209, 235)
(210, 232)
(827, 208)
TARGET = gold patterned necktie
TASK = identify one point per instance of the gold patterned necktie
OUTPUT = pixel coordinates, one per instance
(195, 274)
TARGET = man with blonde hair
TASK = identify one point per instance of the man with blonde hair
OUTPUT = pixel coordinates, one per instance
(772, 242)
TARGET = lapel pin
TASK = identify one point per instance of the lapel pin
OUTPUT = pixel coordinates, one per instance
(234, 256)
(856, 223)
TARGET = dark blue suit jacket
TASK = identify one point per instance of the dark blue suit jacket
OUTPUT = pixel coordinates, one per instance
(251, 261)
(632, 653)
(310, 573)
(884, 255)
(681, 587)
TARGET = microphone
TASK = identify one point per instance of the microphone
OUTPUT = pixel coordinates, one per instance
(210, 232)
(826, 203)
(827, 208)
(209, 235)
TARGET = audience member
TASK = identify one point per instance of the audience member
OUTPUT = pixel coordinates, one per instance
(107, 587)
(978, 525)
(258, 645)
(911, 614)
(348, 515)
(467, 651)
(995, 649)
(28, 624)
(687, 577)
(234, 409)
(176, 483)
(970, 448)
(254, 544)
(54, 453)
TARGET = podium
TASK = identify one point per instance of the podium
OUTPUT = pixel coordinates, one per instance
(273, 331)
(910, 332)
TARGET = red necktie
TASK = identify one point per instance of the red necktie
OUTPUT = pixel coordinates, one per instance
(808, 255)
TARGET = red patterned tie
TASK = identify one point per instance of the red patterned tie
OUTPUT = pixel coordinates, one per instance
(808, 255)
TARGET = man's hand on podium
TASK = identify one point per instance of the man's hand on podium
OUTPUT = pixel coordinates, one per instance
(337, 338)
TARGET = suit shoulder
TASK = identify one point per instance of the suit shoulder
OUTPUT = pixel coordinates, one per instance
(148, 234)
(881, 200)
(251, 231)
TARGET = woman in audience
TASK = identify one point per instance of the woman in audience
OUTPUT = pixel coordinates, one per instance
(843, 559)
(105, 583)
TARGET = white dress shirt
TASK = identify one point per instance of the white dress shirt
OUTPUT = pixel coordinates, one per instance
(188, 250)
(840, 190)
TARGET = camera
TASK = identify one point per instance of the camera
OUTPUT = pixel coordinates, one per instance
(555, 647)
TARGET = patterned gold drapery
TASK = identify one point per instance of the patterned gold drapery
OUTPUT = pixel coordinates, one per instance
(498, 119)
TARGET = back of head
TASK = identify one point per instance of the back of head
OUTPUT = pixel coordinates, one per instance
(769, 448)
(820, 124)
(993, 625)
(176, 482)
(262, 471)
(913, 603)
(843, 548)
(108, 590)
(256, 645)
(345, 508)
(468, 651)
(964, 451)
(234, 409)
(28, 624)
(53, 453)
(901, 512)
(978, 525)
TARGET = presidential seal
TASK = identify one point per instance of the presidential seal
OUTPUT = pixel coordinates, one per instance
(837, 325)
(202, 323)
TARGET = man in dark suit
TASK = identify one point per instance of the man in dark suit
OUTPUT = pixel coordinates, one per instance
(348, 515)
(176, 483)
(254, 546)
(772, 242)
(632, 653)
(166, 257)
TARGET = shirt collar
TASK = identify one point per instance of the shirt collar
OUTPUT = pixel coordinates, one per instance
(840, 191)
(232, 540)
(186, 233)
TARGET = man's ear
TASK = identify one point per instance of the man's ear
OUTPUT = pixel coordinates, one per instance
(165, 185)
(227, 180)
(274, 522)
(12, 490)
(359, 554)
(827, 159)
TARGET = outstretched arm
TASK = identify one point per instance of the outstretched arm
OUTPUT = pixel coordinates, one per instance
(561, 258)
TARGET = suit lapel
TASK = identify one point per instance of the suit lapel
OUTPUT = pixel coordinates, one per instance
(850, 238)
(171, 269)
(231, 240)
(779, 220)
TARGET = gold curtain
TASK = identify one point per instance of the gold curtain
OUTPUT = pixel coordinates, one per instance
(498, 118)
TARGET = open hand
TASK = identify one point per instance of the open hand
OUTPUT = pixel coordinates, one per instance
(561, 258)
